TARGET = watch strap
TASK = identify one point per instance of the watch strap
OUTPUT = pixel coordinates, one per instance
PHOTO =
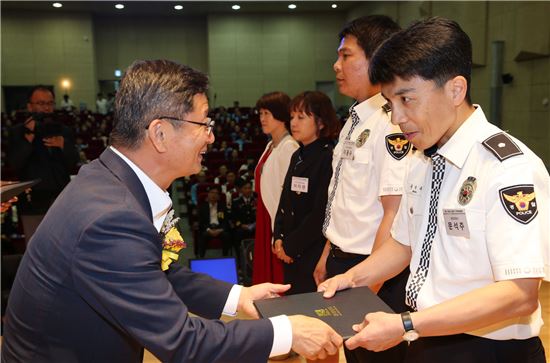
(407, 321)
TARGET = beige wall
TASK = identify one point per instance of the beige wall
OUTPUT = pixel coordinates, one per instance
(121, 40)
(247, 55)
(45, 48)
(250, 55)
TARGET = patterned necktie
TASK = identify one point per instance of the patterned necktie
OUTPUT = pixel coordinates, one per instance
(419, 277)
(354, 121)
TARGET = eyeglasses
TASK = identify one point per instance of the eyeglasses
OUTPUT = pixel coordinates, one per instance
(42, 103)
(209, 123)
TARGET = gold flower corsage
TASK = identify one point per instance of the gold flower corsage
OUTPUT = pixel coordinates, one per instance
(172, 242)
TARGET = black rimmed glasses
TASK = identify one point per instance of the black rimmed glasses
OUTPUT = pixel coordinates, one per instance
(209, 123)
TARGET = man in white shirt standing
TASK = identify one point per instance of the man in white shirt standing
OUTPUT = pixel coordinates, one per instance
(473, 222)
(98, 282)
(101, 104)
(369, 166)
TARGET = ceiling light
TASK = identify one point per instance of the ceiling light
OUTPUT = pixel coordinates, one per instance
(119, 6)
(292, 6)
(236, 7)
(66, 84)
(178, 7)
(334, 6)
(57, 5)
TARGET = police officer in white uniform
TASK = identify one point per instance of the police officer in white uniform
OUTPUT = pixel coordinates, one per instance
(369, 166)
(473, 221)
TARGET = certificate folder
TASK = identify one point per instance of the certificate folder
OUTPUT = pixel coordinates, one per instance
(11, 189)
(344, 309)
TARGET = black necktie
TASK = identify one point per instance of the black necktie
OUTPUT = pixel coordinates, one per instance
(419, 277)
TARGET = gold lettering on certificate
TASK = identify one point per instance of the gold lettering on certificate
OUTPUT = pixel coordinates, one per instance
(328, 311)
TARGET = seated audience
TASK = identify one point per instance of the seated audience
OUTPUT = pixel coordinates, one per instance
(213, 223)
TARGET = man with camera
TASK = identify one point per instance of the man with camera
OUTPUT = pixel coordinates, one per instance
(41, 148)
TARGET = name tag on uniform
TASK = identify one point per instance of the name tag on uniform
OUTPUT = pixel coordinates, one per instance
(456, 223)
(299, 184)
(348, 149)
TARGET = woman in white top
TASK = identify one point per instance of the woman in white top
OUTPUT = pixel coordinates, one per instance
(269, 177)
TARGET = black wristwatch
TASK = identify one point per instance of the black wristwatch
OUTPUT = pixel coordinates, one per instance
(410, 334)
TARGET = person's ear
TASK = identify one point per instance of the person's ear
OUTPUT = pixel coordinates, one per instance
(156, 133)
(458, 86)
(320, 125)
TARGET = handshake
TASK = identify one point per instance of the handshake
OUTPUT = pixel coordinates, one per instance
(311, 338)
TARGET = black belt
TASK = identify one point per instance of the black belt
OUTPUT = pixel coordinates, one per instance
(336, 252)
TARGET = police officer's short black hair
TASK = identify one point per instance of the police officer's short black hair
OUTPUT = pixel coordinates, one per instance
(370, 31)
(435, 49)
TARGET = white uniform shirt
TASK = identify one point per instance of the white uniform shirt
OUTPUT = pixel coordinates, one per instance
(499, 246)
(274, 172)
(356, 210)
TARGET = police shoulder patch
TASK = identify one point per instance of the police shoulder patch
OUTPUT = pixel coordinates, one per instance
(519, 202)
(397, 145)
(502, 146)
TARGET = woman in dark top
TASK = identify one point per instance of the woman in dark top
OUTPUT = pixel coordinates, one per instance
(299, 240)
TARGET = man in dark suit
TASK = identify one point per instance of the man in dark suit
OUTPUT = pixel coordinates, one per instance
(244, 212)
(213, 222)
(91, 286)
(243, 219)
(41, 148)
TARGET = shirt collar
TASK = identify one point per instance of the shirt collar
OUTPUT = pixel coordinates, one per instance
(158, 199)
(314, 147)
(457, 148)
(368, 107)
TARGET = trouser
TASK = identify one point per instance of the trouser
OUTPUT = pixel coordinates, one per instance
(205, 238)
(462, 348)
(393, 294)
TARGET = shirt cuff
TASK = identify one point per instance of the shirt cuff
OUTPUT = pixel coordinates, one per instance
(518, 271)
(232, 302)
(282, 335)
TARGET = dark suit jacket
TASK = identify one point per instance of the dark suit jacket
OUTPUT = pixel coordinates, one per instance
(300, 216)
(243, 213)
(90, 287)
(51, 165)
(204, 216)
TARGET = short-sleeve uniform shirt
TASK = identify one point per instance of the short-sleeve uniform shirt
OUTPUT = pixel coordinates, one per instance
(377, 168)
(492, 219)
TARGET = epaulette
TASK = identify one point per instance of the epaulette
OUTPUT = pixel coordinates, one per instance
(386, 107)
(502, 146)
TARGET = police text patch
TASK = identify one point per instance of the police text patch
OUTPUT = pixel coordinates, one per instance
(519, 202)
(398, 146)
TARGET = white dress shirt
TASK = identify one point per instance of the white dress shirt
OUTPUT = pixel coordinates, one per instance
(491, 245)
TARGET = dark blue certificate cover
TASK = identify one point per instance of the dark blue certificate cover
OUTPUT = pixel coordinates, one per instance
(346, 308)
